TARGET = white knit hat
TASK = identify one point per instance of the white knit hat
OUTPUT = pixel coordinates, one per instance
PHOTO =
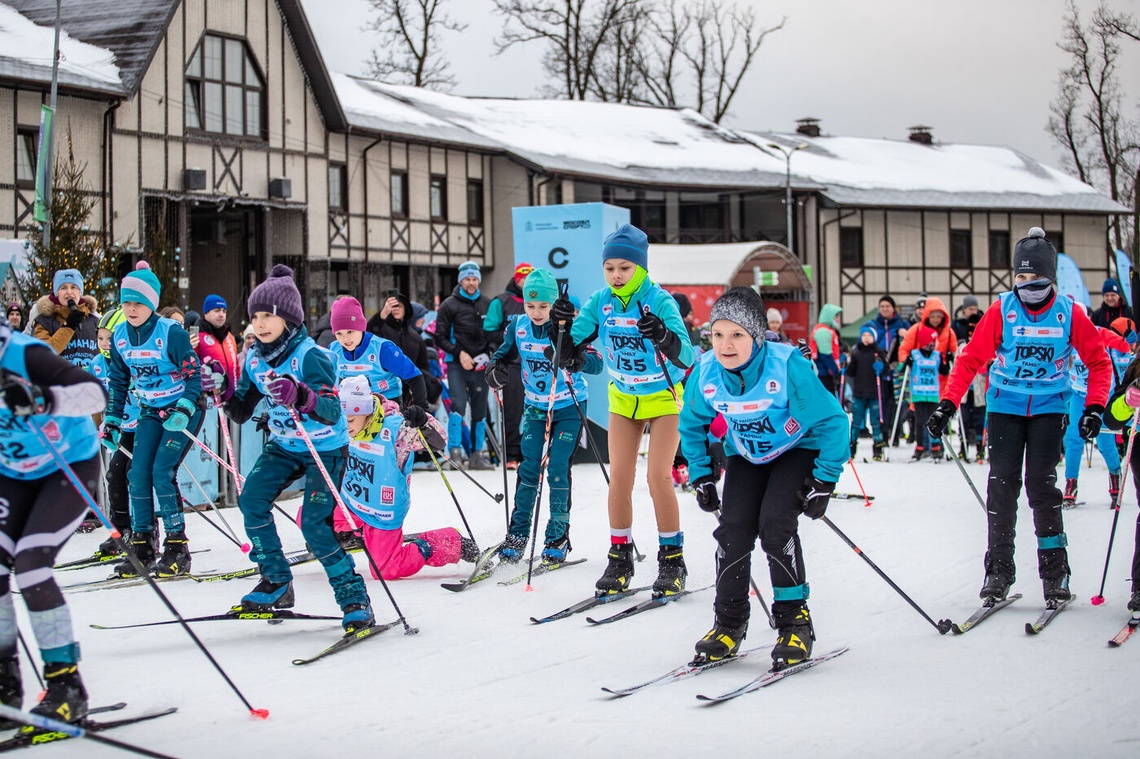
(356, 396)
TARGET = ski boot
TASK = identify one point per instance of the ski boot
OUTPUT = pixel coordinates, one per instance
(936, 453)
(1056, 590)
(1134, 602)
(877, 451)
(1069, 499)
(919, 452)
(357, 617)
(681, 477)
(794, 639)
(512, 548)
(90, 524)
(175, 559)
(671, 571)
(11, 689)
(109, 548)
(721, 642)
(995, 588)
(479, 462)
(457, 457)
(619, 571)
(468, 549)
(349, 541)
(854, 447)
(981, 452)
(66, 698)
(1113, 487)
(555, 551)
(269, 595)
(143, 547)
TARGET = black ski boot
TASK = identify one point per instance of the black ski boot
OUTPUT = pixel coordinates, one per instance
(995, 588)
(619, 571)
(1056, 590)
(109, 548)
(720, 642)
(671, 571)
(877, 451)
(794, 639)
(349, 541)
(468, 549)
(1134, 602)
(175, 559)
(269, 595)
(66, 698)
(512, 548)
(143, 546)
(11, 688)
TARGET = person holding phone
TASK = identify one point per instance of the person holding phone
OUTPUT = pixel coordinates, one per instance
(67, 320)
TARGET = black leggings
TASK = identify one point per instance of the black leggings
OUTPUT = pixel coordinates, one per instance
(118, 497)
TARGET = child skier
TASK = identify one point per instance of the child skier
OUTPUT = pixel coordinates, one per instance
(927, 368)
(1124, 403)
(42, 509)
(786, 446)
(1029, 333)
(864, 368)
(286, 366)
(358, 351)
(646, 350)
(377, 481)
(529, 342)
(151, 358)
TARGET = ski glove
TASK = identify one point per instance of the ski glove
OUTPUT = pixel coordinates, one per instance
(22, 398)
(414, 416)
(1089, 425)
(496, 375)
(940, 418)
(112, 431)
(75, 318)
(1132, 396)
(707, 497)
(213, 377)
(1131, 337)
(652, 328)
(562, 311)
(286, 391)
(878, 366)
(178, 416)
(804, 348)
(815, 496)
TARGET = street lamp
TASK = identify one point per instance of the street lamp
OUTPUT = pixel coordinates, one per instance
(787, 153)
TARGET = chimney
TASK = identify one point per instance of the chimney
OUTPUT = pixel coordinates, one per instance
(808, 127)
(921, 135)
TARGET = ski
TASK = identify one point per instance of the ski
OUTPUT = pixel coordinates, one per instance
(485, 567)
(981, 614)
(589, 603)
(272, 616)
(691, 669)
(1125, 632)
(541, 569)
(114, 581)
(1067, 505)
(99, 559)
(294, 560)
(851, 497)
(349, 639)
(1033, 628)
(92, 710)
(772, 676)
(30, 736)
(646, 605)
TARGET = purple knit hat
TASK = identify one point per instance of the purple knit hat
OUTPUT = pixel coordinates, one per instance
(278, 295)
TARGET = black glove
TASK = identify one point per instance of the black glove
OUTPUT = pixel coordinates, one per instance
(815, 496)
(22, 398)
(262, 423)
(574, 360)
(652, 328)
(497, 375)
(75, 318)
(944, 368)
(940, 417)
(562, 311)
(707, 497)
(909, 363)
(804, 349)
(1089, 425)
(414, 416)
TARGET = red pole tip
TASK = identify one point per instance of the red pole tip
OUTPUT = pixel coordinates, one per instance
(1097, 600)
(116, 534)
(529, 588)
(245, 547)
(259, 713)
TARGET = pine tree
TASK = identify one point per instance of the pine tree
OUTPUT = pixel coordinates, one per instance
(74, 245)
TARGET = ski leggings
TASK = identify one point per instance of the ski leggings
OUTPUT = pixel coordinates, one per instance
(36, 519)
(157, 455)
(564, 433)
(1034, 444)
(118, 494)
(922, 412)
(1075, 447)
(760, 500)
(624, 440)
(861, 408)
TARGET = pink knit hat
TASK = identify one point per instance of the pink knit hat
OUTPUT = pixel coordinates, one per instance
(347, 314)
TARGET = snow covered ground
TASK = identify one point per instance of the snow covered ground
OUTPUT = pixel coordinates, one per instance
(481, 681)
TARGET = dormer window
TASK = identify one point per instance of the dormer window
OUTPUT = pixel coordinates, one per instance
(224, 89)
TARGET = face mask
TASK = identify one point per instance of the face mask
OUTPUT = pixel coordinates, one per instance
(1035, 292)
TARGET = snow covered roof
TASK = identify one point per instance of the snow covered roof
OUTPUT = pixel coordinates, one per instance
(901, 173)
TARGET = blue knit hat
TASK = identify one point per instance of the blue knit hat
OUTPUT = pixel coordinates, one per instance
(629, 243)
(470, 269)
(141, 286)
(213, 301)
(67, 276)
(1110, 286)
(868, 328)
(541, 286)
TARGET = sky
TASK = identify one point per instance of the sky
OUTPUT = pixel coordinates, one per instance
(978, 71)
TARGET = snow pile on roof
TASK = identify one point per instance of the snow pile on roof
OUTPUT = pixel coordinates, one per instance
(26, 51)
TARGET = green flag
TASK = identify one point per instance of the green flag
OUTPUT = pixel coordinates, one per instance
(43, 159)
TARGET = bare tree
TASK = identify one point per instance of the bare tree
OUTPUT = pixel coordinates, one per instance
(1088, 117)
(409, 49)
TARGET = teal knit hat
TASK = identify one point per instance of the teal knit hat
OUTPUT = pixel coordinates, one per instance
(141, 286)
(540, 285)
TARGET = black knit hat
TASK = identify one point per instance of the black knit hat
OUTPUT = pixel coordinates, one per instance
(888, 299)
(744, 306)
(1035, 255)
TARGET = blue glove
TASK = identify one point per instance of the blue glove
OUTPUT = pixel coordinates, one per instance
(878, 366)
(112, 430)
(179, 415)
(1131, 337)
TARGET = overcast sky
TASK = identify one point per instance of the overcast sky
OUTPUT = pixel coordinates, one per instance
(979, 71)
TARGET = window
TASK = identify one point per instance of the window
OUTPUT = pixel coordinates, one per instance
(554, 193)
(475, 202)
(961, 249)
(438, 197)
(338, 186)
(26, 141)
(399, 187)
(1057, 238)
(224, 91)
(851, 247)
(999, 249)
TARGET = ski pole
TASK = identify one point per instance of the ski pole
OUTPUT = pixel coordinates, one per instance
(496, 497)
(586, 426)
(942, 626)
(74, 731)
(962, 469)
(408, 629)
(1098, 599)
(225, 425)
(545, 462)
(446, 484)
(503, 453)
(899, 405)
(866, 500)
(661, 363)
(499, 454)
(32, 661)
(142, 571)
(237, 475)
(882, 422)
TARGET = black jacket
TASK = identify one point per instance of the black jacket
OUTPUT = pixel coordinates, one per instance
(964, 327)
(459, 325)
(861, 370)
(407, 339)
(1105, 316)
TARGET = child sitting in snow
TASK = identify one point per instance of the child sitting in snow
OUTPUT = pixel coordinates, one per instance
(377, 478)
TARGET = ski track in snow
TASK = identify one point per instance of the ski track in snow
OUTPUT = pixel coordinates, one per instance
(480, 680)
